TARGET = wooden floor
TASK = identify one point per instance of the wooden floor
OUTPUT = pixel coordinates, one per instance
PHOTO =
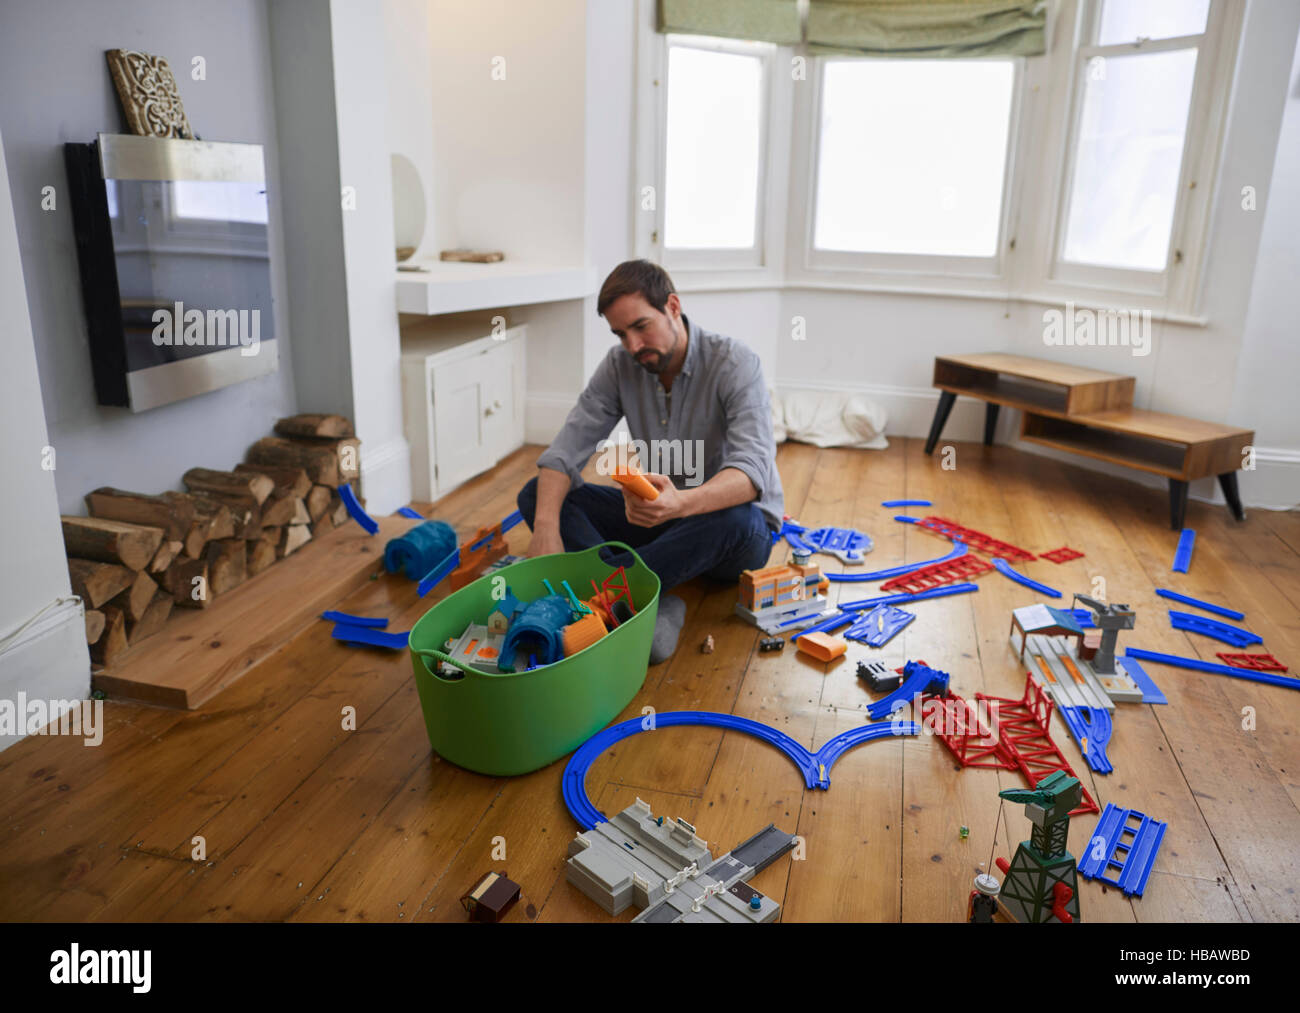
(301, 820)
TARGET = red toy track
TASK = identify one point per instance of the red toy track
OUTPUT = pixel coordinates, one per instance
(938, 574)
(977, 540)
(1016, 736)
(1254, 662)
(1062, 555)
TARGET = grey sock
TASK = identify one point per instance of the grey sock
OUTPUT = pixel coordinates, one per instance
(668, 627)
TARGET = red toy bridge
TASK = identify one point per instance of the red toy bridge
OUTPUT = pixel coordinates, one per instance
(1016, 736)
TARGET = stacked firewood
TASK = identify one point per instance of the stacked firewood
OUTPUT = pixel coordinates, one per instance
(138, 555)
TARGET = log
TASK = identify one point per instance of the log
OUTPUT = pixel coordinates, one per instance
(227, 565)
(113, 641)
(320, 463)
(291, 538)
(347, 454)
(212, 520)
(95, 582)
(288, 481)
(323, 526)
(181, 582)
(132, 545)
(279, 511)
(173, 516)
(94, 625)
(245, 518)
(154, 618)
(337, 511)
(192, 547)
(164, 556)
(318, 500)
(227, 485)
(333, 426)
(221, 524)
(262, 553)
(300, 514)
(136, 598)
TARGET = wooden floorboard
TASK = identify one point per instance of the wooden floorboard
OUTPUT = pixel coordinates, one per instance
(297, 818)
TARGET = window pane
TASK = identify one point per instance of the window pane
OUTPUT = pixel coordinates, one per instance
(1127, 159)
(912, 156)
(711, 172)
(1130, 20)
(219, 201)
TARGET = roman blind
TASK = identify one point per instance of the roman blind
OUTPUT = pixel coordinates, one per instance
(897, 28)
(939, 28)
(757, 20)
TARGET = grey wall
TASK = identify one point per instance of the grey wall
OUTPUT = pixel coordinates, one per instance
(57, 88)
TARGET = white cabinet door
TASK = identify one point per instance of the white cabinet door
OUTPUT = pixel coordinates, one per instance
(461, 398)
(503, 383)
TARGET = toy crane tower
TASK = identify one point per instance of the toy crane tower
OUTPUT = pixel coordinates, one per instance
(1040, 882)
(1110, 619)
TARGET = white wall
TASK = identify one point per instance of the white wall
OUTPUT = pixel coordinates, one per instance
(361, 97)
(316, 291)
(608, 116)
(57, 88)
(48, 660)
(1268, 369)
(408, 73)
(332, 95)
(510, 170)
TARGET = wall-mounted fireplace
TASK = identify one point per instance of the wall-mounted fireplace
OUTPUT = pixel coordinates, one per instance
(175, 265)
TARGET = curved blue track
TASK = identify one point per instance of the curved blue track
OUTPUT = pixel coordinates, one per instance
(1004, 568)
(574, 787)
(959, 549)
(355, 510)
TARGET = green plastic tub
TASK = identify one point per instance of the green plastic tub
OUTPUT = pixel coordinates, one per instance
(513, 723)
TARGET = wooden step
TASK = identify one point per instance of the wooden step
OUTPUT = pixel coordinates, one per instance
(202, 651)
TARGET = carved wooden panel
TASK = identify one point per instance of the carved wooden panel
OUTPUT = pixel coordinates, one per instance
(147, 90)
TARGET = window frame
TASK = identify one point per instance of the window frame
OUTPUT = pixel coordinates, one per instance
(1176, 288)
(913, 267)
(725, 259)
(1046, 106)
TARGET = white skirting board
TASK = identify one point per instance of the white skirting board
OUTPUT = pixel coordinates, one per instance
(386, 476)
(47, 661)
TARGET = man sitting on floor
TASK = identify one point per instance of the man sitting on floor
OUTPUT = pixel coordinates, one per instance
(698, 399)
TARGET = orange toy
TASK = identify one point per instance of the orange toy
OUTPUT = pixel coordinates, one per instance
(631, 479)
(485, 548)
(822, 646)
(583, 633)
(781, 585)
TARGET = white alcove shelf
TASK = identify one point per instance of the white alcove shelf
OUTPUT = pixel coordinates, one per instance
(452, 287)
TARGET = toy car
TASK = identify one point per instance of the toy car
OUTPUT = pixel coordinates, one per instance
(768, 644)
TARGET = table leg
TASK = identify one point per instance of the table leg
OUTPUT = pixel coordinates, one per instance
(1228, 483)
(990, 422)
(946, 399)
(1177, 503)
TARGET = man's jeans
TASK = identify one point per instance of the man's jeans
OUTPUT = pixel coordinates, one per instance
(718, 544)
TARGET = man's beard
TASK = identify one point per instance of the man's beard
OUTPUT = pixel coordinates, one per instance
(653, 362)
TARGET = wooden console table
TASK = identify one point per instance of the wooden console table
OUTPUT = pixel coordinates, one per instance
(1086, 411)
